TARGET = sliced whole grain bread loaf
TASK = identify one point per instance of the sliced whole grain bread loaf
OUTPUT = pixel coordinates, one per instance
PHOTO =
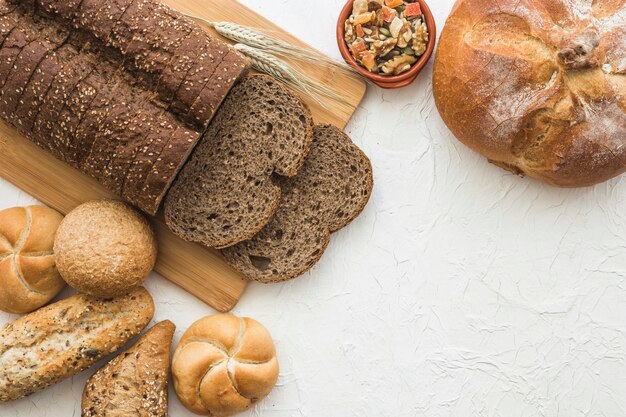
(227, 191)
(331, 190)
(75, 97)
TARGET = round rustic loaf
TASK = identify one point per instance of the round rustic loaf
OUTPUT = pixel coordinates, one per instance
(224, 364)
(28, 274)
(537, 86)
(105, 248)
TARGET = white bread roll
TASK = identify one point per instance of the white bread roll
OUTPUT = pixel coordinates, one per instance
(105, 248)
(28, 274)
(223, 365)
(537, 86)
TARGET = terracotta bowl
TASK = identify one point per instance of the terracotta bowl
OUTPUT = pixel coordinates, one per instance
(388, 81)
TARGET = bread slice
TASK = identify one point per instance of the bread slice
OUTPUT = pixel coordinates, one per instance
(227, 192)
(135, 382)
(331, 190)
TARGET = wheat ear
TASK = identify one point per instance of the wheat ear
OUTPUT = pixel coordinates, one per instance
(260, 39)
(271, 65)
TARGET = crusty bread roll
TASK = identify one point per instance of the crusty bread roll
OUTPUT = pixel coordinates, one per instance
(105, 248)
(65, 338)
(224, 364)
(28, 274)
(537, 86)
(135, 382)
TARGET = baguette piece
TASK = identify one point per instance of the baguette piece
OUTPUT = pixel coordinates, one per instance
(330, 191)
(135, 382)
(65, 338)
(226, 192)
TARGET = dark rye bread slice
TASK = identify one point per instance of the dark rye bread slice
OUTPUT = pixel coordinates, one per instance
(98, 110)
(61, 131)
(8, 20)
(127, 134)
(162, 170)
(215, 90)
(7, 7)
(175, 71)
(25, 65)
(17, 39)
(79, 99)
(45, 37)
(114, 128)
(74, 112)
(144, 157)
(27, 68)
(120, 128)
(37, 90)
(207, 60)
(331, 190)
(151, 33)
(98, 17)
(65, 7)
(226, 192)
(64, 83)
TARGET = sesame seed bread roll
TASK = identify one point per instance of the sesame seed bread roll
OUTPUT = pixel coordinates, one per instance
(105, 248)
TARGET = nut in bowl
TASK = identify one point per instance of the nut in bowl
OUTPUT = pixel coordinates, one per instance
(387, 41)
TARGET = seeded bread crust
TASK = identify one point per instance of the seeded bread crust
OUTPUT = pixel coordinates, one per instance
(59, 131)
(206, 62)
(25, 65)
(135, 382)
(65, 338)
(146, 154)
(330, 191)
(166, 167)
(96, 16)
(227, 192)
(11, 48)
(52, 104)
(175, 52)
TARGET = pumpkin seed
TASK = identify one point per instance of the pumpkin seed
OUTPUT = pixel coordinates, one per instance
(409, 51)
(384, 31)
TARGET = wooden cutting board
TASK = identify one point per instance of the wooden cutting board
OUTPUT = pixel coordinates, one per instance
(200, 271)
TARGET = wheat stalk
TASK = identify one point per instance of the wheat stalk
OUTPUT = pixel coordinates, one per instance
(271, 65)
(258, 39)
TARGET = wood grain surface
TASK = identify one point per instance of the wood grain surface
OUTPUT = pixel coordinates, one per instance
(200, 271)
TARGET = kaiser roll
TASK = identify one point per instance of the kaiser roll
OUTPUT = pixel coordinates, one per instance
(224, 364)
(105, 248)
(28, 275)
(537, 86)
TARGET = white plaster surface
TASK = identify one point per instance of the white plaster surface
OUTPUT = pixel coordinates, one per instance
(461, 291)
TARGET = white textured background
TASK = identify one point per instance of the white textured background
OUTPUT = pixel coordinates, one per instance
(461, 291)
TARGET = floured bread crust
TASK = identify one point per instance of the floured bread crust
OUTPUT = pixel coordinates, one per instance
(537, 86)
